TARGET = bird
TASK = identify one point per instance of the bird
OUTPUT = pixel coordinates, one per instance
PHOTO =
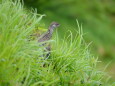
(47, 36)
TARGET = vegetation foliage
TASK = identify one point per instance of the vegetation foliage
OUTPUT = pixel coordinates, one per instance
(97, 16)
(21, 62)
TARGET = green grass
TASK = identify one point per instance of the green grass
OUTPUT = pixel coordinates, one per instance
(97, 17)
(70, 62)
(16, 52)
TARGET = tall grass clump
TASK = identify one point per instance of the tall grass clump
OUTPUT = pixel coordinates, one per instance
(16, 52)
(70, 62)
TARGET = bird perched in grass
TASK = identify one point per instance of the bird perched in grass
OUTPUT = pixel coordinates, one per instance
(47, 36)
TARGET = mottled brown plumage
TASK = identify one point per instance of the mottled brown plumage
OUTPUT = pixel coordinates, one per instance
(47, 36)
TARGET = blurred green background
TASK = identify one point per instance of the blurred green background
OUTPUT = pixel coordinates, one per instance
(97, 18)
